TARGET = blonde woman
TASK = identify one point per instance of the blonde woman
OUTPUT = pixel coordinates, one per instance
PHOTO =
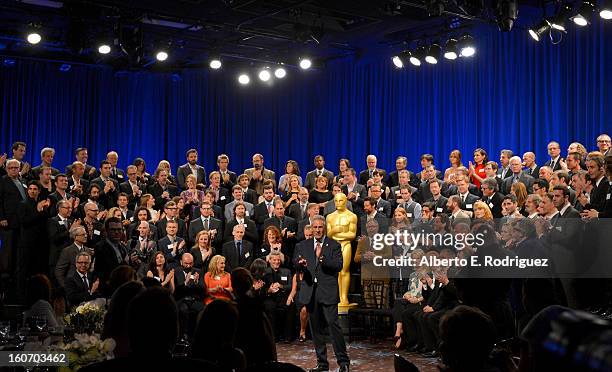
(202, 251)
(218, 281)
(192, 197)
(482, 211)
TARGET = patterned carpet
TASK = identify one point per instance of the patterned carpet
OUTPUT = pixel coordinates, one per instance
(365, 357)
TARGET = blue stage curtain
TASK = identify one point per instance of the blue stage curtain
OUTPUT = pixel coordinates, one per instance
(514, 94)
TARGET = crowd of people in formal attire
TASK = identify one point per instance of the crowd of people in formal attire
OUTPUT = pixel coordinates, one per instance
(88, 229)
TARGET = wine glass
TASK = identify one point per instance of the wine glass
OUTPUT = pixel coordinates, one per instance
(40, 322)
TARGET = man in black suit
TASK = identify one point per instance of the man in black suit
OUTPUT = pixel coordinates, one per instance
(265, 209)
(573, 162)
(191, 167)
(81, 155)
(595, 169)
(554, 150)
(248, 195)
(403, 179)
(58, 228)
(504, 164)
(369, 207)
(439, 201)
(491, 196)
(171, 214)
(115, 173)
(188, 281)
(109, 187)
(427, 160)
(19, 150)
(132, 188)
(312, 210)
(110, 252)
(276, 289)
(81, 285)
(604, 144)
(162, 190)
(467, 199)
(66, 264)
(287, 225)
(320, 261)
(298, 211)
(77, 183)
(517, 175)
(206, 221)
(238, 252)
(355, 192)
(142, 247)
(562, 178)
(46, 155)
(382, 206)
(330, 205)
(529, 163)
(12, 192)
(424, 192)
(401, 162)
(240, 218)
(319, 170)
(60, 193)
(366, 175)
(172, 245)
(228, 178)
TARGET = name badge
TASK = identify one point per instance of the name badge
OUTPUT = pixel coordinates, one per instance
(170, 246)
(490, 205)
(52, 177)
(96, 232)
(397, 192)
(283, 278)
(559, 228)
(247, 255)
(315, 280)
(439, 210)
(608, 197)
(217, 277)
(247, 213)
(381, 209)
(468, 206)
(131, 218)
(409, 214)
(119, 176)
(263, 249)
(222, 197)
(62, 223)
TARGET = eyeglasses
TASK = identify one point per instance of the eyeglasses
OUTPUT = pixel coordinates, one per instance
(82, 262)
(12, 167)
(604, 141)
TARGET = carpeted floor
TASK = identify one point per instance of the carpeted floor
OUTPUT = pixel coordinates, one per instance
(365, 357)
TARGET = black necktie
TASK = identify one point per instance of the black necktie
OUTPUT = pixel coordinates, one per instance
(552, 164)
(206, 225)
(85, 281)
(239, 245)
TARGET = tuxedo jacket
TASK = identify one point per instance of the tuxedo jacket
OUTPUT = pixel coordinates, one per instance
(184, 170)
(393, 179)
(233, 179)
(163, 246)
(157, 190)
(234, 259)
(59, 237)
(76, 290)
(10, 197)
(535, 172)
(261, 215)
(523, 178)
(557, 165)
(468, 204)
(320, 279)
(257, 185)
(599, 194)
(364, 176)
(108, 200)
(250, 233)
(495, 204)
(439, 205)
(161, 227)
(311, 179)
(501, 174)
(179, 278)
(196, 225)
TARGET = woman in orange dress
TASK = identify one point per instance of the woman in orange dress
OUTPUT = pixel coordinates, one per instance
(218, 282)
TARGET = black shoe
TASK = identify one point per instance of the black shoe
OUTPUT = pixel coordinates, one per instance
(302, 338)
(431, 354)
(319, 368)
(344, 368)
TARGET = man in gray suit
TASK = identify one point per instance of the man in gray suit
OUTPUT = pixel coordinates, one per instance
(191, 167)
(311, 177)
(517, 175)
(238, 196)
(66, 263)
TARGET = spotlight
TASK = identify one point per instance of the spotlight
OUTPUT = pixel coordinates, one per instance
(280, 73)
(450, 49)
(161, 56)
(305, 63)
(584, 14)
(215, 63)
(537, 31)
(244, 79)
(466, 46)
(397, 61)
(558, 21)
(264, 75)
(65, 67)
(434, 8)
(34, 37)
(605, 11)
(104, 49)
(433, 55)
(401, 60)
(417, 56)
(507, 12)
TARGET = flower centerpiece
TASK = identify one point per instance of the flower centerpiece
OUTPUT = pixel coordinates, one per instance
(88, 317)
(84, 350)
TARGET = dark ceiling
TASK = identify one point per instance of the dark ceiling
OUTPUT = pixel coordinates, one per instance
(241, 31)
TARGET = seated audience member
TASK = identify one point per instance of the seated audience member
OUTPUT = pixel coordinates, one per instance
(255, 335)
(115, 319)
(218, 281)
(161, 271)
(219, 318)
(152, 340)
(81, 286)
(202, 251)
(467, 338)
(276, 290)
(38, 297)
(411, 300)
(66, 264)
